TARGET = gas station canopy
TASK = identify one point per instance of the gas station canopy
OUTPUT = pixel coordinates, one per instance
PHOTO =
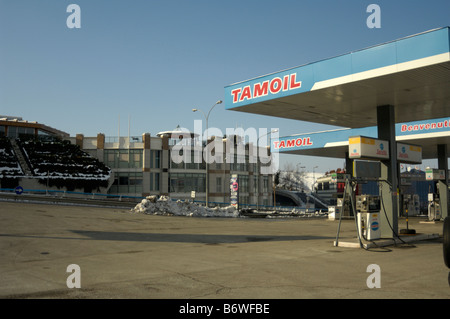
(403, 81)
(412, 73)
(334, 143)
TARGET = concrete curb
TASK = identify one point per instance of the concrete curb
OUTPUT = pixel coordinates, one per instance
(387, 242)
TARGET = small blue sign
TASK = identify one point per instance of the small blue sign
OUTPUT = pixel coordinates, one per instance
(374, 226)
(19, 190)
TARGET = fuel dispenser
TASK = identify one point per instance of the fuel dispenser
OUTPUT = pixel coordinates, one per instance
(376, 215)
(434, 202)
(434, 207)
(411, 204)
(368, 216)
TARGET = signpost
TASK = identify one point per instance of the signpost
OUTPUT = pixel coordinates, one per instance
(234, 191)
(19, 190)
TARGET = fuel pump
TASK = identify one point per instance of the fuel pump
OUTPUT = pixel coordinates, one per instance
(368, 216)
(434, 206)
(411, 204)
(434, 203)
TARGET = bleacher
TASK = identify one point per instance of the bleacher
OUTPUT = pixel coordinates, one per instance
(9, 165)
(54, 162)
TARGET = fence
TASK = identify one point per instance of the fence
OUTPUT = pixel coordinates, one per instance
(125, 199)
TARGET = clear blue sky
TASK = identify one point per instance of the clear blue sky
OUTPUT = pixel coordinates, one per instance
(153, 61)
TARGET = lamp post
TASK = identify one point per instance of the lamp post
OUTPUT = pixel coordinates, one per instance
(297, 172)
(314, 181)
(258, 167)
(206, 159)
(314, 175)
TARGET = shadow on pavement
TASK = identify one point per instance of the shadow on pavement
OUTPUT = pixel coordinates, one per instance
(188, 238)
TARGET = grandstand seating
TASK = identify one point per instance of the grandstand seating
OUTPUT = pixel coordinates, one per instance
(9, 165)
(54, 162)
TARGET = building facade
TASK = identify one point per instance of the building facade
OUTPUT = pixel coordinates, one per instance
(14, 127)
(174, 164)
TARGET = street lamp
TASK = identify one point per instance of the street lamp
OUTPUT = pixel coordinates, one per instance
(314, 175)
(258, 167)
(297, 172)
(206, 159)
(314, 181)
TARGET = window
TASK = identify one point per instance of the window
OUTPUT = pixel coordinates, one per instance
(191, 164)
(135, 180)
(123, 180)
(12, 131)
(43, 133)
(123, 158)
(239, 163)
(155, 159)
(219, 184)
(243, 199)
(154, 181)
(185, 182)
(188, 160)
(179, 162)
(243, 183)
(265, 183)
(127, 183)
(25, 131)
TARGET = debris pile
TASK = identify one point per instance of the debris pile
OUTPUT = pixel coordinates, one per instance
(165, 206)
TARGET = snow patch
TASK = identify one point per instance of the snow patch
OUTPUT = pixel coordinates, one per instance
(165, 206)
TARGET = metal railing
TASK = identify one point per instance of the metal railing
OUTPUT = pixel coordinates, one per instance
(128, 201)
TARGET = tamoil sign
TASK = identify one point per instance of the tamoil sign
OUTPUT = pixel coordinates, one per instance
(259, 89)
(292, 143)
(264, 88)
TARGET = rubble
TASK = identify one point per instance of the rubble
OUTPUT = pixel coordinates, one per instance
(166, 206)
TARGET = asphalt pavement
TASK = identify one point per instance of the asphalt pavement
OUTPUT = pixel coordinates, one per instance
(72, 252)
